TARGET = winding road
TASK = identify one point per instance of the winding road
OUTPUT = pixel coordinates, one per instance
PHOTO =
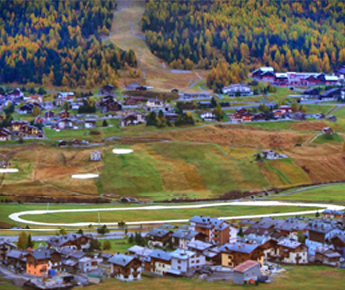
(17, 216)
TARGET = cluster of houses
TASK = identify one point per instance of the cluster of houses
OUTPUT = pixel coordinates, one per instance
(206, 245)
(296, 78)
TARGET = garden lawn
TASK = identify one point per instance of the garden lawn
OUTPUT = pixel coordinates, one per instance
(162, 214)
(300, 277)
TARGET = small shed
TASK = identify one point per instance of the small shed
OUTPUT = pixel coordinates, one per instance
(95, 156)
(327, 130)
(246, 272)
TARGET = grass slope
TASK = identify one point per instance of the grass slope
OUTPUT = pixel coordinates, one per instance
(300, 277)
(330, 193)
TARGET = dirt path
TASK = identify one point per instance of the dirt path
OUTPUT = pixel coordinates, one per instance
(126, 33)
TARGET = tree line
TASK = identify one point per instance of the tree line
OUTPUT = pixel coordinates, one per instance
(59, 42)
(232, 37)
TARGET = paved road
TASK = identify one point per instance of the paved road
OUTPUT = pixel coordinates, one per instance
(17, 216)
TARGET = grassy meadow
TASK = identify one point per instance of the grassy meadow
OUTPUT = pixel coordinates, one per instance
(330, 193)
(299, 277)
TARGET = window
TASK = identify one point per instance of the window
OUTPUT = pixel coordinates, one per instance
(179, 261)
(198, 261)
(179, 268)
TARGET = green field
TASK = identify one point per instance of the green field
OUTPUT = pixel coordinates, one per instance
(133, 215)
(322, 139)
(161, 171)
(329, 193)
(166, 214)
(299, 277)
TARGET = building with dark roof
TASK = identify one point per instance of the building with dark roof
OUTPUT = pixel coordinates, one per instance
(234, 254)
(125, 268)
(158, 237)
(39, 262)
(211, 230)
(181, 238)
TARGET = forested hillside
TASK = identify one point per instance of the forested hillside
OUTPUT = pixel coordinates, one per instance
(288, 35)
(58, 42)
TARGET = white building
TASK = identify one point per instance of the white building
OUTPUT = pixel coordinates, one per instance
(182, 261)
(237, 90)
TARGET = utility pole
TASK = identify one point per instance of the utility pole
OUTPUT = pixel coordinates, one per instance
(99, 220)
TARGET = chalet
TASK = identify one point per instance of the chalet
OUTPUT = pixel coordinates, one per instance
(87, 264)
(39, 262)
(292, 252)
(65, 123)
(16, 94)
(291, 226)
(76, 142)
(95, 156)
(338, 242)
(5, 134)
(278, 114)
(271, 155)
(158, 237)
(328, 213)
(241, 115)
(17, 259)
(71, 240)
(285, 109)
(107, 89)
(326, 256)
(155, 104)
(331, 94)
(5, 248)
(237, 90)
(265, 73)
(267, 243)
(48, 115)
(158, 262)
(139, 252)
(328, 80)
(208, 116)
(340, 72)
(313, 79)
(199, 246)
(171, 117)
(211, 230)
(263, 227)
(62, 143)
(234, 254)
(281, 79)
(109, 104)
(63, 97)
(299, 116)
(247, 272)
(132, 101)
(181, 238)
(39, 120)
(327, 130)
(132, 119)
(26, 109)
(260, 117)
(63, 114)
(183, 261)
(319, 233)
(90, 123)
(35, 99)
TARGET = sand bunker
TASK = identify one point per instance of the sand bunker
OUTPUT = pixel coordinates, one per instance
(9, 170)
(85, 176)
(122, 151)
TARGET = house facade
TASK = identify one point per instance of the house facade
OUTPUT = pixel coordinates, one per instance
(247, 272)
(125, 268)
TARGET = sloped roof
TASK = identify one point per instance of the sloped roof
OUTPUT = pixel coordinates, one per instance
(121, 259)
(245, 266)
